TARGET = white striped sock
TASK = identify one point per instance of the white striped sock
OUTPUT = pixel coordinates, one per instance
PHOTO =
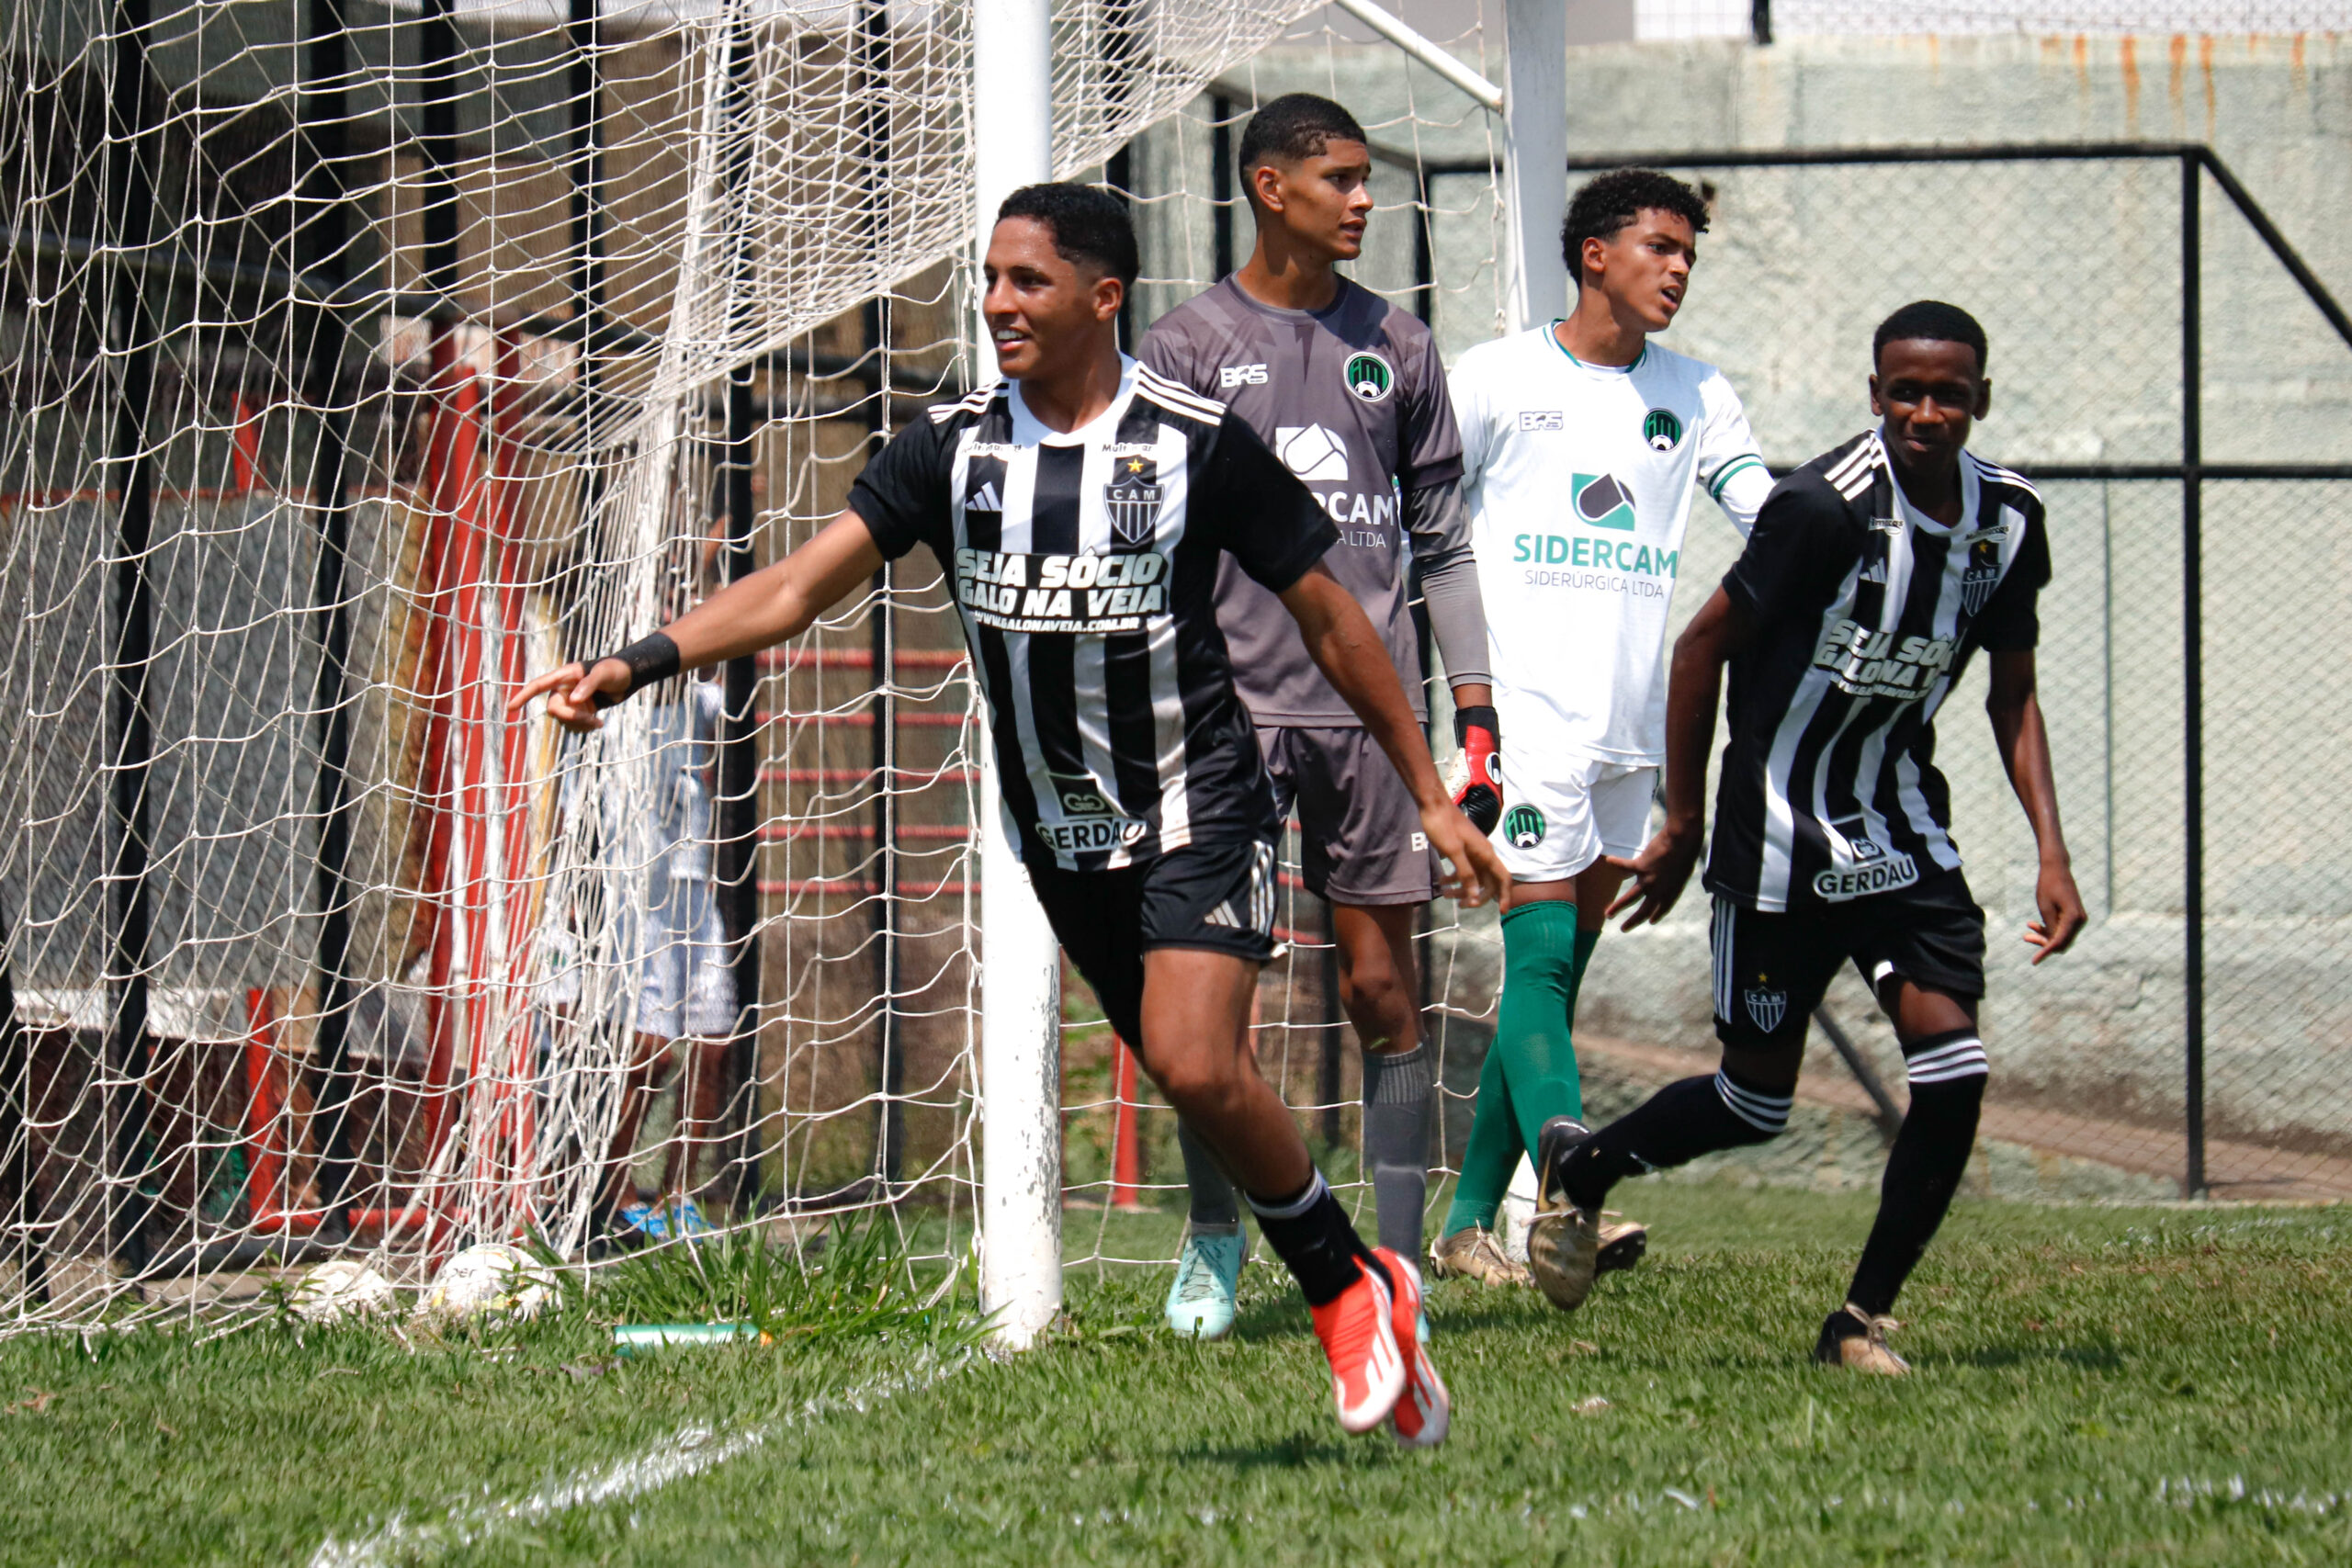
(1953, 1059)
(1294, 1208)
(1767, 1113)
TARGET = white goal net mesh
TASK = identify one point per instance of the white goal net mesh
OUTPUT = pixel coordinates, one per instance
(364, 357)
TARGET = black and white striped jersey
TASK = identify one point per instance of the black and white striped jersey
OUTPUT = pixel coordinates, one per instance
(1084, 566)
(1869, 612)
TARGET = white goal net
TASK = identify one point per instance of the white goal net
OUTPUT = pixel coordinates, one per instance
(362, 358)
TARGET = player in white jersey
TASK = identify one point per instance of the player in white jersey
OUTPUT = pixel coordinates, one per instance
(1583, 441)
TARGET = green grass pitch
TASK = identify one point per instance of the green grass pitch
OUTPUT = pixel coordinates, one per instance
(2093, 1385)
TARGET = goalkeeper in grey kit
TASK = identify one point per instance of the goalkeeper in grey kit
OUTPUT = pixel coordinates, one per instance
(1348, 392)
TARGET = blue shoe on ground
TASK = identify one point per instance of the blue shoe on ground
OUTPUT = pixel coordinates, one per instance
(686, 1219)
(1208, 1278)
(646, 1221)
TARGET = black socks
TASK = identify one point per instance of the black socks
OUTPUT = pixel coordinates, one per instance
(1923, 1172)
(1674, 1126)
(1397, 1144)
(1310, 1233)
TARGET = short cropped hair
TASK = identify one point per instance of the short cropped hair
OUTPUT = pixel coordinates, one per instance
(1930, 321)
(1295, 125)
(1090, 226)
(1607, 203)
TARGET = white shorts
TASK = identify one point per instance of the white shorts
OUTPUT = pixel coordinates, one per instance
(1571, 813)
(688, 988)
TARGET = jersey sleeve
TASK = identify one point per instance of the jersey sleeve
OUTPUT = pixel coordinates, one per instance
(1264, 517)
(1467, 388)
(1429, 448)
(1731, 470)
(2012, 622)
(902, 494)
(1800, 549)
(1169, 349)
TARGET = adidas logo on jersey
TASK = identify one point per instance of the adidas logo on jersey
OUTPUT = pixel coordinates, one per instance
(986, 500)
(1311, 452)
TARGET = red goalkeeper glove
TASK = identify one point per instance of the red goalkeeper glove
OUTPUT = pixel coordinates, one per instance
(1477, 776)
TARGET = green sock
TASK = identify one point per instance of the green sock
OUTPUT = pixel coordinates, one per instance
(1491, 1155)
(1532, 1022)
(1586, 941)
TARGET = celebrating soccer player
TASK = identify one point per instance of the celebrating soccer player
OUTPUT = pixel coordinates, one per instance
(1348, 392)
(1581, 442)
(1872, 575)
(1083, 509)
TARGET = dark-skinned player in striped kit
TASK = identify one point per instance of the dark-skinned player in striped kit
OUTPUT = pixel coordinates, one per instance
(1874, 574)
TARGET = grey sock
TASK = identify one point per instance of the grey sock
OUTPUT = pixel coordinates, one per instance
(1215, 1204)
(1396, 1145)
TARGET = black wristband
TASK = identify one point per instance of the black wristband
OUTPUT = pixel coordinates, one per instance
(650, 658)
(1467, 720)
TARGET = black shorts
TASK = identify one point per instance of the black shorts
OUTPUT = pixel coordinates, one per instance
(1770, 970)
(1217, 896)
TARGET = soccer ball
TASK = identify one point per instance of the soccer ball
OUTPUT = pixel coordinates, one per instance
(492, 1281)
(339, 1290)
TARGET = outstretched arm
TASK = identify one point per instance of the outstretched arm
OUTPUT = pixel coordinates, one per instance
(2015, 708)
(771, 605)
(1694, 686)
(1352, 658)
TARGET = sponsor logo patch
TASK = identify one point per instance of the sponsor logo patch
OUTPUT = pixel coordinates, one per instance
(1543, 418)
(1524, 825)
(1602, 501)
(1091, 818)
(1231, 376)
(1369, 377)
(1869, 867)
(1873, 663)
(1311, 452)
(1071, 594)
(1661, 429)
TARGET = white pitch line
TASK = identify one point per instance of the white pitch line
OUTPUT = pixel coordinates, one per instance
(687, 1452)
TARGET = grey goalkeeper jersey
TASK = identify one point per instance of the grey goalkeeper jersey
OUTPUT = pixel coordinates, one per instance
(1352, 399)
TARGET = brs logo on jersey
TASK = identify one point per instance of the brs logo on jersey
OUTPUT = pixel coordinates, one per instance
(1091, 820)
(1231, 376)
(1873, 663)
(1070, 594)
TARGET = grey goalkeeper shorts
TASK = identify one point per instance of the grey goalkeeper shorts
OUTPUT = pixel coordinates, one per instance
(1360, 831)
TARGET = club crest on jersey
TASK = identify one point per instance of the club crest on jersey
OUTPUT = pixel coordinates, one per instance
(1369, 377)
(1133, 498)
(1766, 1006)
(1601, 500)
(1523, 827)
(1981, 576)
(1661, 429)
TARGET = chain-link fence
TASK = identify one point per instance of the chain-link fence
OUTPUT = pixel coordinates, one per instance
(2175, 381)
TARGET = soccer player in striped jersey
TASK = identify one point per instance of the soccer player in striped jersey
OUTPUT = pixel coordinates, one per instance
(1874, 574)
(1081, 510)
(1348, 392)
(1583, 443)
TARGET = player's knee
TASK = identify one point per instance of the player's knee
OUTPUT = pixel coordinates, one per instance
(1380, 1004)
(1198, 1082)
(1769, 1062)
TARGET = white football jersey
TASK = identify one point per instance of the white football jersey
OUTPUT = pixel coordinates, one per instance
(1578, 481)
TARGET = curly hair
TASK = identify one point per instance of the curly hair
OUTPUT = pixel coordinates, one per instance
(1607, 203)
(1090, 225)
